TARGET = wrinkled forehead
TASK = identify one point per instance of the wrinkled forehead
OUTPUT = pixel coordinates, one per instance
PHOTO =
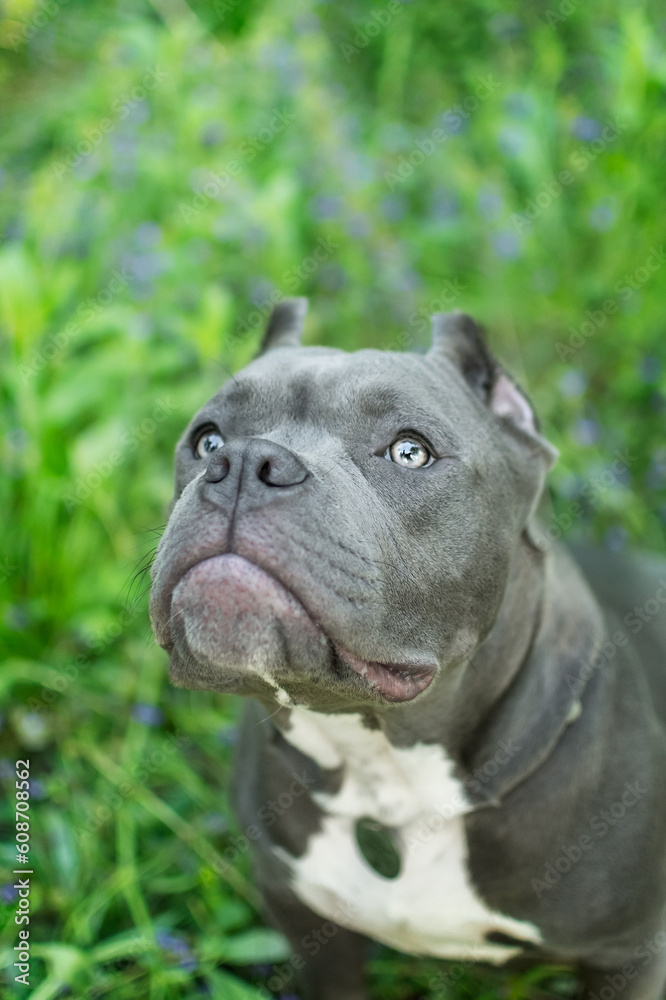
(321, 386)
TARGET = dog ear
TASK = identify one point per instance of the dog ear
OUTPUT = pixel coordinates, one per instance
(285, 325)
(461, 340)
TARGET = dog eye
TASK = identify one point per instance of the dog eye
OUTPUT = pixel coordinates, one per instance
(207, 442)
(409, 453)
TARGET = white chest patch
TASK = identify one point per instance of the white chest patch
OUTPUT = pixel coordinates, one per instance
(431, 908)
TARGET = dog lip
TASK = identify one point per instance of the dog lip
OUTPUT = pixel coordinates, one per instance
(394, 682)
(257, 565)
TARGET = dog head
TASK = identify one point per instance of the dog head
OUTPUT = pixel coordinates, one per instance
(342, 523)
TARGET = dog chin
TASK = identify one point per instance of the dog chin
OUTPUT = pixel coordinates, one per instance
(237, 629)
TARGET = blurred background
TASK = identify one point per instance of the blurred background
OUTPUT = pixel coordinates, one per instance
(170, 170)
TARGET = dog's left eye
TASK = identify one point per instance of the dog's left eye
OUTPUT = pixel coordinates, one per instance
(207, 442)
(409, 453)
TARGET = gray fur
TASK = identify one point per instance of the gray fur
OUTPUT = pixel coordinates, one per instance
(285, 324)
(438, 570)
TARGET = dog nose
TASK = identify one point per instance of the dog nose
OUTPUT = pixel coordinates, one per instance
(274, 465)
(258, 459)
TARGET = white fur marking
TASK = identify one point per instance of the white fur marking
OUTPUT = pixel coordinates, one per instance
(431, 908)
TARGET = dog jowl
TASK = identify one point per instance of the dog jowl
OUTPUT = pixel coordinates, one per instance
(353, 546)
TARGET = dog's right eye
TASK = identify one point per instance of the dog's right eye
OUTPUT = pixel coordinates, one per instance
(208, 441)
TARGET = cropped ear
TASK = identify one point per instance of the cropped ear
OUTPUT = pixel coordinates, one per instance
(285, 325)
(456, 336)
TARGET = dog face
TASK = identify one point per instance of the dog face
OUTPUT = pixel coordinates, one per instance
(343, 523)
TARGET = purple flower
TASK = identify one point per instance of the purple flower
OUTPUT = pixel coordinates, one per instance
(603, 215)
(17, 440)
(490, 202)
(616, 538)
(393, 207)
(586, 129)
(505, 26)
(37, 789)
(260, 290)
(332, 277)
(177, 947)
(656, 474)
(569, 486)
(445, 206)
(649, 369)
(262, 969)
(506, 244)
(16, 617)
(212, 134)
(325, 206)
(227, 736)
(8, 893)
(513, 140)
(520, 104)
(359, 225)
(587, 431)
(148, 715)
(215, 823)
(573, 383)
(147, 234)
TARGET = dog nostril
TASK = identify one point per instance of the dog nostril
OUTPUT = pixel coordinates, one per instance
(218, 469)
(265, 473)
(275, 466)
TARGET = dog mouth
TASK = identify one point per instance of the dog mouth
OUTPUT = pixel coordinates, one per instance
(393, 681)
(238, 620)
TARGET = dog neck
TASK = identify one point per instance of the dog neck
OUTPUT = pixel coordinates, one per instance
(544, 631)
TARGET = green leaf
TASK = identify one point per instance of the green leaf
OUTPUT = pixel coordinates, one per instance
(226, 987)
(260, 944)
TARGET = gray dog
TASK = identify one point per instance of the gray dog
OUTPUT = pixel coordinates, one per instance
(450, 747)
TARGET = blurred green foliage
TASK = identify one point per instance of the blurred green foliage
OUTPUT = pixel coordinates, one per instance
(166, 171)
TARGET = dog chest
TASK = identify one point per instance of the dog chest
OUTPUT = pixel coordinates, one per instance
(431, 907)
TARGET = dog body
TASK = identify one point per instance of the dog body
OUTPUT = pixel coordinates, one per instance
(449, 746)
(432, 908)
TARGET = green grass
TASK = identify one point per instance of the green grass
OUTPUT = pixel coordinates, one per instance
(126, 298)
